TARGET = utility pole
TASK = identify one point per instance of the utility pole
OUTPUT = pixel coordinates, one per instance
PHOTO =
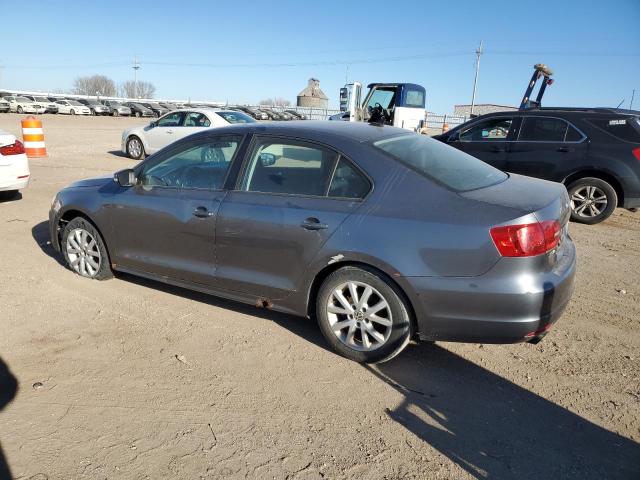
(346, 75)
(136, 67)
(475, 80)
(633, 94)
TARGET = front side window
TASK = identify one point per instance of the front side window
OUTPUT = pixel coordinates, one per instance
(195, 119)
(441, 163)
(542, 129)
(494, 129)
(289, 167)
(171, 120)
(203, 166)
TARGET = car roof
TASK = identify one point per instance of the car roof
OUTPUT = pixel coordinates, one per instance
(317, 130)
(564, 110)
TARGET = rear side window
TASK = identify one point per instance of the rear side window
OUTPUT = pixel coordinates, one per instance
(441, 163)
(348, 181)
(541, 129)
(289, 167)
(626, 129)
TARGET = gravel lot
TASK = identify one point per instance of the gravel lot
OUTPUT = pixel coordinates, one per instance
(133, 379)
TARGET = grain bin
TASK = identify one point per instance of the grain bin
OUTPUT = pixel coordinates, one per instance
(312, 96)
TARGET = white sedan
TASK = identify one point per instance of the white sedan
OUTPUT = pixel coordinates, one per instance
(145, 140)
(18, 104)
(72, 107)
(14, 165)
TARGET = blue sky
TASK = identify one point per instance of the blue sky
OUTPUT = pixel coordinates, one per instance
(244, 51)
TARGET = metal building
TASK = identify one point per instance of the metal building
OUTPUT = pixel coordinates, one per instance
(481, 109)
(312, 96)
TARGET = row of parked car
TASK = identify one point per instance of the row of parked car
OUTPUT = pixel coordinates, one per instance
(87, 106)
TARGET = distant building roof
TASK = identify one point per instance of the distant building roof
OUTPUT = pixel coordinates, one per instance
(313, 90)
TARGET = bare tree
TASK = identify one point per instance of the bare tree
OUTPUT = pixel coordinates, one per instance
(94, 83)
(131, 89)
(275, 102)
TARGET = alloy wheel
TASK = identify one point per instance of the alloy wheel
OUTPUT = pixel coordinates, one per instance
(588, 201)
(83, 252)
(135, 148)
(359, 316)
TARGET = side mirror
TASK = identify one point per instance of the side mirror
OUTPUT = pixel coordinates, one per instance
(153, 124)
(454, 137)
(267, 159)
(125, 178)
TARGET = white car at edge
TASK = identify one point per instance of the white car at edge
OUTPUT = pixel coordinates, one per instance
(14, 165)
(19, 104)
(145, 140)
(72, 107)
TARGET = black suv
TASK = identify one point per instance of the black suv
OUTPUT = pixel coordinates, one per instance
(595, 152)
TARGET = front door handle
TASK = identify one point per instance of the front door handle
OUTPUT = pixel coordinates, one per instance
(313, 223)
(169, 131)
(202, 212)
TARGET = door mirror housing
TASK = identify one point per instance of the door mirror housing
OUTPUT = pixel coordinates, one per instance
(125, 178)
(267, 159)
(153, 124)
(454, 137)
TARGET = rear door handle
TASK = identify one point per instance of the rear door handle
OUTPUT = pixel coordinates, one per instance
(202, 212)
(313, 223)
(564, 149)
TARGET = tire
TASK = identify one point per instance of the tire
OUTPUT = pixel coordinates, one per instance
(592, 200)
(84, 250)
(19, 110)
(353, 340)
(72, 112)
(135, 151)
(116, 113)
(137, 114)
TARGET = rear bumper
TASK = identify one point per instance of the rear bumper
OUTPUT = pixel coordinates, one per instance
(14, 184)
(511, 303)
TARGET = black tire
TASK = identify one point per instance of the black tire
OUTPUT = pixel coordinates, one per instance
(72, 112)
(400, 329)
(116, 113)
(19, 110)
(103, 271)
(581, 211)
(141, 155)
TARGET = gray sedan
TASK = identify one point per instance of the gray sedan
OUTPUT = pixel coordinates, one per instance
(382, 235)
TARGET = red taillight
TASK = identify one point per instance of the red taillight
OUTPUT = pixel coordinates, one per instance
(13, 149)
(636, 153)
(526, 240)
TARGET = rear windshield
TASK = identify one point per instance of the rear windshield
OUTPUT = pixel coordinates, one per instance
(236, 117)
(439, 162)
(623, 128)
(74, 102)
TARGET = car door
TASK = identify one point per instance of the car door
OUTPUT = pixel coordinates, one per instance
(273, 224)
(487, 139)
(165, 224)
(164, 131)
(546, 147)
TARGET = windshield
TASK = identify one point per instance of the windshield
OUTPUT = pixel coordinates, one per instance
(236, 117)
(24, 100)
(41, 99)
(439, 162)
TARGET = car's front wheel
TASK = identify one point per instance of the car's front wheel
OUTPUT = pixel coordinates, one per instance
(363, 315)
(137, 114)
(20, 110)
(592, 200)
(135, 148)
(72, 111)
(84, 250)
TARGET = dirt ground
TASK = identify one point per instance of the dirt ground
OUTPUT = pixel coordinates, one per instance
(134, 379)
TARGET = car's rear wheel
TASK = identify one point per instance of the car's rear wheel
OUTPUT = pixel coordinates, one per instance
(363, 315)
(84, 250)
(592, 200)
(20, 110)
(137, 114)
(72, 111)
(135, 148)
(116, 113)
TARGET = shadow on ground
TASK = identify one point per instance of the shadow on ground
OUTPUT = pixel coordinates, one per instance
(40, 234)
(486, 424)
(117, 153)
(8, 390)
(8, 197)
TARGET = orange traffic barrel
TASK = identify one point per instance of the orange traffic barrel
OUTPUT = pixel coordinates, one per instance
(33, 137)
(445, 127)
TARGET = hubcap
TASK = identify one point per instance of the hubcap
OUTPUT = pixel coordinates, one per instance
(359, 316)
(588, 201)
(82, 250)
(135, 148)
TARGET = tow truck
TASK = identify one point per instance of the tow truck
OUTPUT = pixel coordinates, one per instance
(540, 71)
(398, 104)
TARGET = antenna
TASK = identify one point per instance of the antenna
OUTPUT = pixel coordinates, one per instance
(136, 67)
(633, 94)
(475, 80)
(621, 102)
